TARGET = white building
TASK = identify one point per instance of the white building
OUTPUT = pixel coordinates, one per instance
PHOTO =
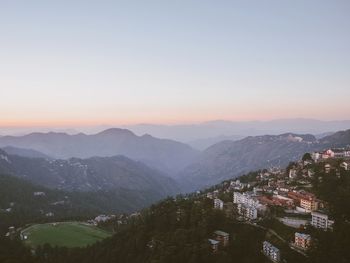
(345, 165)
(244, 198)
(39, 194)
(218, 204)
(248, 212)
(271, 251)
(320, 220)
(292, 173)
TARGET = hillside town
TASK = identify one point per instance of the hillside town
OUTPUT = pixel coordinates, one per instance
(286, 195)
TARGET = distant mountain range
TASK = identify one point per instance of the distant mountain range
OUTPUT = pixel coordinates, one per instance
(212, 129)
(91, 162)
(166, 155)
(92, 174)
(202, 144)
(25, 152)
(229, 159)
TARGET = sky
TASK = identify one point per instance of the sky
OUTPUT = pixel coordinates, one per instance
(66, 63)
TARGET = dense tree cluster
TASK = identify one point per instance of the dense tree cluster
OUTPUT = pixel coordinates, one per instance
(19, 206)
(333, 187)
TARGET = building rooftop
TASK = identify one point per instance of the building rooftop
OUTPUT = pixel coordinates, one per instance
(221, 233)
(213, 242)
(303, 236)
(266, 243)
(318, 213)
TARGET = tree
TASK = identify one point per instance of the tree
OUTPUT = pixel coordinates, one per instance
(307, 157)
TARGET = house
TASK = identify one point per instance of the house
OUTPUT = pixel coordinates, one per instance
(292, 173)
(345, 165)
(103, 218)
(210, 195)
(316, 156)
(302, 241)
(214, 244)
(320, 220)
(222, 237)
(271, 251)
(12, 232)
(328, 154)
(39, 194)
(339, 153)
(218, 204)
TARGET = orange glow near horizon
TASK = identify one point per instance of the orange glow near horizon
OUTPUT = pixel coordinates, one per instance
(174, 120)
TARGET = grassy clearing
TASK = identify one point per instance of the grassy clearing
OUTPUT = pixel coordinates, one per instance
(68, 234)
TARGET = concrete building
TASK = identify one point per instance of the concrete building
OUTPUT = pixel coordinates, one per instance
(244, 198)
(320, 220)
(302, 241)
(309, 204)
(248, 212)
(271, 251)
(218, 204)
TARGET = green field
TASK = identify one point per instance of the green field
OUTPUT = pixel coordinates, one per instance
(68, 234)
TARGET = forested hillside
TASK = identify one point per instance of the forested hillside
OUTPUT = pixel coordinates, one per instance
(22, 202)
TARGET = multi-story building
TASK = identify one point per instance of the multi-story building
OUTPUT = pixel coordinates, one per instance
(320, 220)
(271, 251)
(309, 204)
(302, 240)
(248, 212)
(218, 204)
(222, 237)
(244, 198)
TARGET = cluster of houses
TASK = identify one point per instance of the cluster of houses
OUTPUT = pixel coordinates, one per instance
(286, 189)
(100, 219)
(331, 153)
(337, 153)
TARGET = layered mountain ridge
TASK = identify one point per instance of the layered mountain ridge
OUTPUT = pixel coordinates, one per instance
(229, 159)
(166, 155)
(92, 174)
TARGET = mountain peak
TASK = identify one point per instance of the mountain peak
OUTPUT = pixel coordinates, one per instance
(116, 131)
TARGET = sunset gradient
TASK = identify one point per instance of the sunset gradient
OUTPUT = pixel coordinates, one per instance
(68, 63)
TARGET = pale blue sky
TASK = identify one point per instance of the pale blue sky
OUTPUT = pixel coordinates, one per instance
(116, 62)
